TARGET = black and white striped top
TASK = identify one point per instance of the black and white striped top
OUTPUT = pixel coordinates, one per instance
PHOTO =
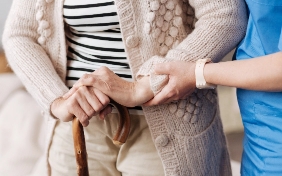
(95, 39)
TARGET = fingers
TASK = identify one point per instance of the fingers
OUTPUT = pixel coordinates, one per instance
(74, 108)
(107, 110)
(104, 99)
(162, 97)
(97, 100)
(87, 102)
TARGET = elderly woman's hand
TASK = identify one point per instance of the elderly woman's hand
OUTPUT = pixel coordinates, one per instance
(84, 104)
(181, 82)
(126, 93)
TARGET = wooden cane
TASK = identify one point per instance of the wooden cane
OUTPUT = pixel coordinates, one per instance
(79, 141)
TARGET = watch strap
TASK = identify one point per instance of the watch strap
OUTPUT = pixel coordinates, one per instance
(199, 74)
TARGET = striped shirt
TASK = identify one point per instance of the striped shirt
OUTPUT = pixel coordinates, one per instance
(94, 40)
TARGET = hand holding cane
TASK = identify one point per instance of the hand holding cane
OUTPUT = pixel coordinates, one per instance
(79, 141)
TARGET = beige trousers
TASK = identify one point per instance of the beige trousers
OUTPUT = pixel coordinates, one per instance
(137, 157)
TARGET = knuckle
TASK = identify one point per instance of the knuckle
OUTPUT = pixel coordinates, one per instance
(103, 69)
(83, 118)
(85, 76)
(91, 79)
(105, 101)
(80, 90)
(98, 107)
(91, 112)
(88, 77)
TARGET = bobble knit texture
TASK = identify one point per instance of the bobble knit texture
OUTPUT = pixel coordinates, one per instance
(188, 134)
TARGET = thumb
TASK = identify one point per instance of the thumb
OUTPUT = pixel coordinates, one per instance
(162, 69)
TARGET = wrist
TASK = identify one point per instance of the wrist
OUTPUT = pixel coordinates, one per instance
(143, 92)
(55, 107)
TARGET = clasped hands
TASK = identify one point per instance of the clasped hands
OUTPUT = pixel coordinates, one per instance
(91, 94)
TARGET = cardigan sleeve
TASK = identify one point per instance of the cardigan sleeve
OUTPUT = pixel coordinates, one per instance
(219, 28)
(27, 58)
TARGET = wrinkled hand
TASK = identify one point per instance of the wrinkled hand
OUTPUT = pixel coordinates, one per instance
(181, 82)
(126, 93)
(84, 103)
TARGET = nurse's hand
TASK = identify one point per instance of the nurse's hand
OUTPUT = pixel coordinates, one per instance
(126, 93)
(84, 104)
(181, 82)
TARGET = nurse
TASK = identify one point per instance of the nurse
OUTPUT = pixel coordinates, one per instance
(257, 72)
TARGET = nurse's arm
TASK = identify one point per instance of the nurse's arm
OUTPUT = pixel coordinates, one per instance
(261, 73)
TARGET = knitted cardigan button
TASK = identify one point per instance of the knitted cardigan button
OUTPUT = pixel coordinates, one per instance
(132, 41)
(172, 108)
(161, 140)
(154, 5)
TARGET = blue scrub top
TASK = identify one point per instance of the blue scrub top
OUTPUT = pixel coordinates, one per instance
(261, 111)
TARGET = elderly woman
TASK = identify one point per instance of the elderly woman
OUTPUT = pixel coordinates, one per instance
(51, 44)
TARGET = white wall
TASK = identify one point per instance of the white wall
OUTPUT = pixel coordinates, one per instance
(4, 9)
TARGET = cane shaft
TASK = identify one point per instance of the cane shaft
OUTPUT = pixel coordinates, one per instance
(80, 148)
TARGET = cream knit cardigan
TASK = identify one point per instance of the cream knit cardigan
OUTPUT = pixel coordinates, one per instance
(188, 134)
